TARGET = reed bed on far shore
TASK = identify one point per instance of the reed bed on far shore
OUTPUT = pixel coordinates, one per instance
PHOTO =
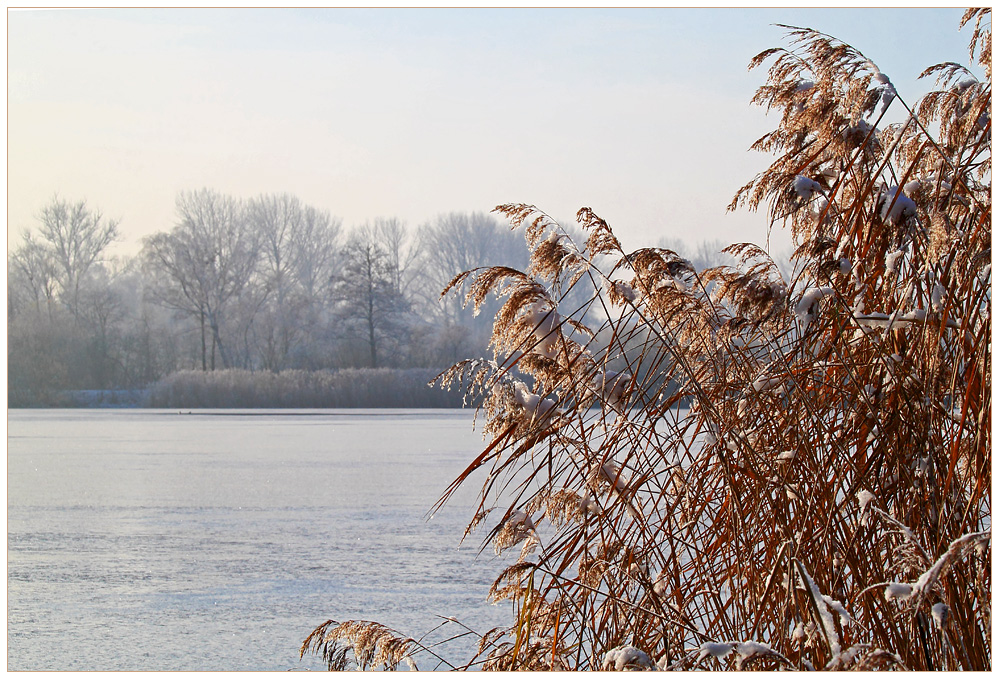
(823, 499)
(344, 388)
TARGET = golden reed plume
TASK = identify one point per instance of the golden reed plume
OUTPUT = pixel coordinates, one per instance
(738, 469)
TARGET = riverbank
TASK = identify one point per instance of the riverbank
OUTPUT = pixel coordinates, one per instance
(237, 388)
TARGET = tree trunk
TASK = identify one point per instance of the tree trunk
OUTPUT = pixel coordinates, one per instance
(204, 348)
(213, 323)
(371, 344)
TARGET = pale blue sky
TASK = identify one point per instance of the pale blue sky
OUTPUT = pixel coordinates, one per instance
(642, 115)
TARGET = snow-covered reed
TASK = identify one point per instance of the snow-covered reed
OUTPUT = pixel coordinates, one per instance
(823, 499)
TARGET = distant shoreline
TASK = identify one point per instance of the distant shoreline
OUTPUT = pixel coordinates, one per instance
(349, 388)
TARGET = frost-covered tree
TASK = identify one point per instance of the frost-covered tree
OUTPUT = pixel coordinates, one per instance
(451, 243)
(32, 277)
(77, 238)
(370, 305)
(202, 266)
(57, 285)
(457, 242)
(298, 253)
(391, 235)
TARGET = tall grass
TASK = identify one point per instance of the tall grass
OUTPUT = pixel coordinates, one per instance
(824, 502)
(345, 388)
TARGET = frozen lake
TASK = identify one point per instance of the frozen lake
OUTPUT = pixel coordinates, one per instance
(217, 540)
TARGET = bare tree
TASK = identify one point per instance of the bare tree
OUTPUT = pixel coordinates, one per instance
(457, 242)
(298, 247)
(102, 313)
(277, 219)
(78, 237)
(391, 236)
(316, 264)
(204, 264)
(32, 275)
(316, 252)
(368, 298)
(56, 286)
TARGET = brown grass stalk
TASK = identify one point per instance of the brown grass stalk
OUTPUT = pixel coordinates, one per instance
(728, 469)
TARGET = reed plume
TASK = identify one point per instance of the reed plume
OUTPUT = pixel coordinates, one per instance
(737, 470)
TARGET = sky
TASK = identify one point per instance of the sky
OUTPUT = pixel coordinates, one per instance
(643, 115)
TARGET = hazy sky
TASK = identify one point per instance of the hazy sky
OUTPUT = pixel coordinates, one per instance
(642, 115)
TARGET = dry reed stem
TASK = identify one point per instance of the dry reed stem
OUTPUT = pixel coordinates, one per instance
(729, 469)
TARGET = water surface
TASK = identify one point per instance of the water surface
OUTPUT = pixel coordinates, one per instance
(217, 540)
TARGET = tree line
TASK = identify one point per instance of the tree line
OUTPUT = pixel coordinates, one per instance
(262, 284)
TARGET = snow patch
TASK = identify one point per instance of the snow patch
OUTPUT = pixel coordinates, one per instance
(811, 297)
(535, 408)
(625, 290)
(805, 188)
(626, 656)
(660, 582)
(892, 261)
(799, 633)
(611, 385)
(895, 207)
(589, 505)
(749, 649)
(544, 322)
(826, 618)
(764, 383)
(898, 591)
(720, 650)
(937, 298)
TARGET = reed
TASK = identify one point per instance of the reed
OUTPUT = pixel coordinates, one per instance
(294, 388)
(742, 471)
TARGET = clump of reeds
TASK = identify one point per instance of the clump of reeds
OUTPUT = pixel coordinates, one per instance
(741, 471)
(294, 388)
(372, 644)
